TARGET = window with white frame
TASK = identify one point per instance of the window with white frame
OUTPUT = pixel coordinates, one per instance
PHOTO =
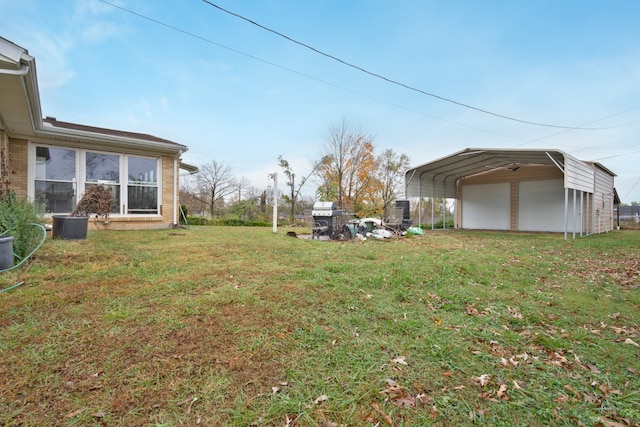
(56, 178)
(142, 188)
(62, 173)
(104, 169)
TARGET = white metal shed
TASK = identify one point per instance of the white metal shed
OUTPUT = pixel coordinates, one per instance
(519, 190)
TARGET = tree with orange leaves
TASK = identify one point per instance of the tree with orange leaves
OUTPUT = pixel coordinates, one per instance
(348, 169)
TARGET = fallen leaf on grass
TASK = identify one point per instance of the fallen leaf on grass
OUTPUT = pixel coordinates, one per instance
(385, 418)
(630, 341)
(606, 390)
(592, 368)
(472, 311)
(609, 423)
(75, 413)
(400, 361)
(482, 380)
(509, 362)
(575, 393)
(399, 396)
(291, 421)
(502, 392)
(321, 399)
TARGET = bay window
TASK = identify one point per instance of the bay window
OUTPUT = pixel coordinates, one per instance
(62, 173)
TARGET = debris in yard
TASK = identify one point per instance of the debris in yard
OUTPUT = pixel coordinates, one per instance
(415, 230)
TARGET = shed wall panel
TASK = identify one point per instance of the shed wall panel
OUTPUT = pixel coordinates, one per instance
(486, 206)
(541, 205)
(578, 175)
(603, 201)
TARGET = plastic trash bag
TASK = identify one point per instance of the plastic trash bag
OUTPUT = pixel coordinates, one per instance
(415, 230)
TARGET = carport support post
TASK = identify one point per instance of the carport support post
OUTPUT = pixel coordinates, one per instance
(589, 212)
(575, 213)
(433, 212)
(444, 213)
(581, 213)
(566, 212)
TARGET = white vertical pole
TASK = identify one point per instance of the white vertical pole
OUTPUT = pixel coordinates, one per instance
(275, 202)
(176, 203)
(433, 208)
(581, 213)
(566, 212)
(575, 220)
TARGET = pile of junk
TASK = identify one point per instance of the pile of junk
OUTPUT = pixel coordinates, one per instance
(329, 223)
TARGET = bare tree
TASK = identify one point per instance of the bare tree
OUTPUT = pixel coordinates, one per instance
(211, 184)
(347, 169)
(292, 198)
(391, 167)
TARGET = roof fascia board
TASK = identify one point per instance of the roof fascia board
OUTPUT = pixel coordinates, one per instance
(80, 137)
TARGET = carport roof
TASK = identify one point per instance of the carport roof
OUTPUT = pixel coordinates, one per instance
(438, 178)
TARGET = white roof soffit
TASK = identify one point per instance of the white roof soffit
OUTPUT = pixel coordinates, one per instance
(438, 178)
(20, 100)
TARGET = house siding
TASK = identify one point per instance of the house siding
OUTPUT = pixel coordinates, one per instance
(18, 170)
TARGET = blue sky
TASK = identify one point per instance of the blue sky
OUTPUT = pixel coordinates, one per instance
(240, 95)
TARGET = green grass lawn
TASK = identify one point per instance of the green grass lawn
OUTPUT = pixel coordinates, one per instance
(242, 327)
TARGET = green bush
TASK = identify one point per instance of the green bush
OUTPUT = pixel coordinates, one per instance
(229, 222)
(16, 217)
(239, 222)
(449, 223)
(197, 220)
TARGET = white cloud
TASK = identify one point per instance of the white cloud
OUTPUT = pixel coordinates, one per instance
(54, 69)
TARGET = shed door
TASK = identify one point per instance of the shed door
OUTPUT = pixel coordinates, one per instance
(486, 206)
(541, 205)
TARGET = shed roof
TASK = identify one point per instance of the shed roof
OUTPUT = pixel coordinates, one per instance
(439, 177)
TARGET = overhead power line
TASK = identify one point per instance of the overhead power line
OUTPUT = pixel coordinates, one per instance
(395, 82)
(206, 40)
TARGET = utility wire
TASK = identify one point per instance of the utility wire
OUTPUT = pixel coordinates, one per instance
(588, 123)
(395, 82)
(206, 40)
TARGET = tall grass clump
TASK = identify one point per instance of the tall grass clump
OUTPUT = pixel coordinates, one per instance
(16, 219)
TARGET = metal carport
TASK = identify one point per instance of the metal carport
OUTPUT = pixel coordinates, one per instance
(440, 178)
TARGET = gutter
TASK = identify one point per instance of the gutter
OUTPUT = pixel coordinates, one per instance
(24, 69)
